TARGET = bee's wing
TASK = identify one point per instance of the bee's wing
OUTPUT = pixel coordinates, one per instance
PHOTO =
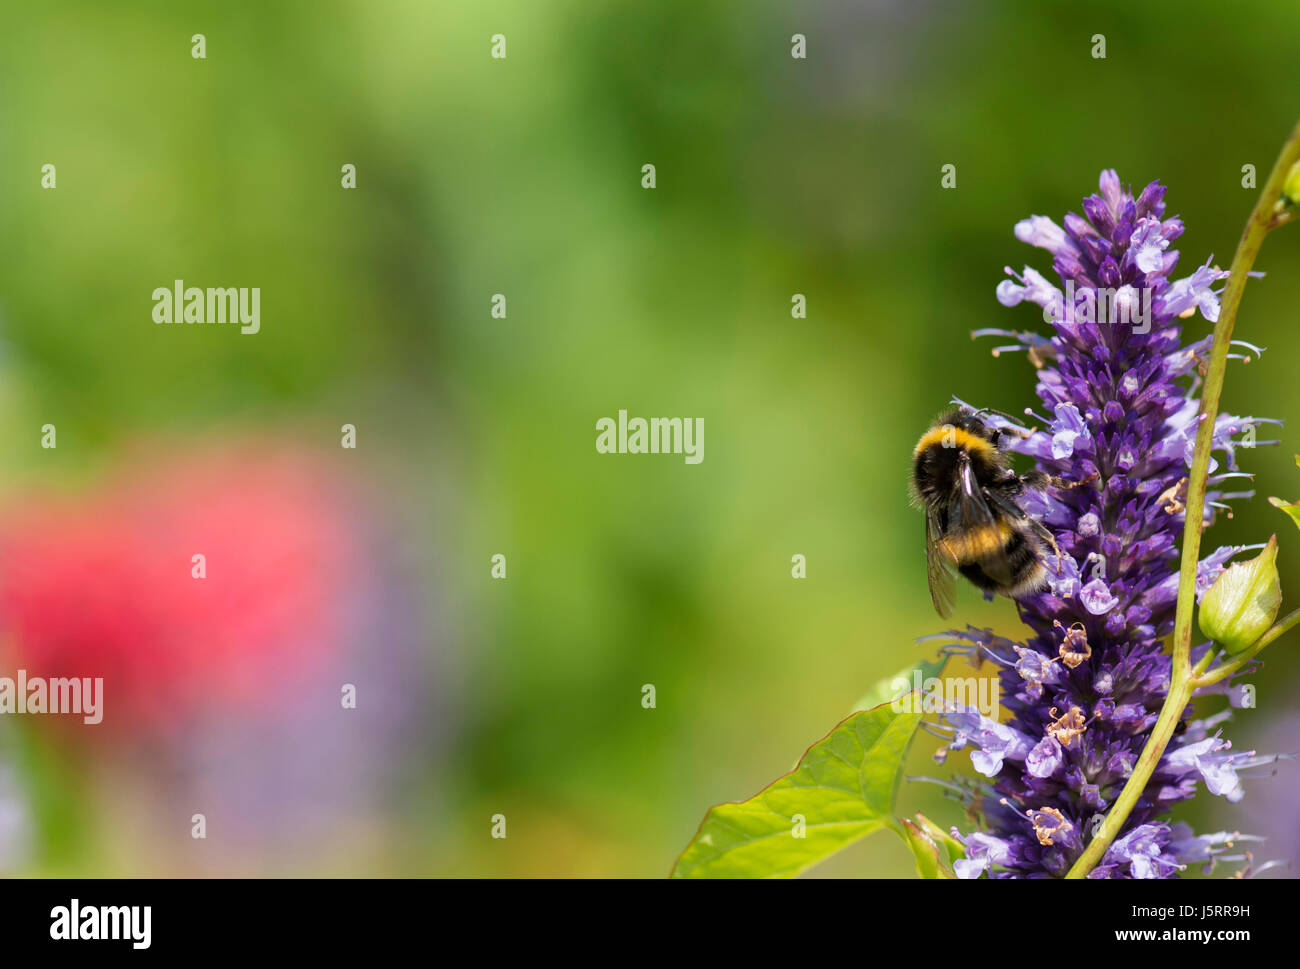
(939, 569)
(968, 511)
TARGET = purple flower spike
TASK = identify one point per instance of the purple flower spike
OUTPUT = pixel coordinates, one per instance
(1086, 687)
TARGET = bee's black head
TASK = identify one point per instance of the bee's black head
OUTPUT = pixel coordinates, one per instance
(969, 421)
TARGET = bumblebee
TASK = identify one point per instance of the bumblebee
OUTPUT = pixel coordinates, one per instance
(973, 521)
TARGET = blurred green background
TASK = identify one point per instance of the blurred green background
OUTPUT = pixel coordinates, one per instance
(521, 176)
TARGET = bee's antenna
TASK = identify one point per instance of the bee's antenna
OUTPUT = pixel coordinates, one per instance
(971, 408)
(1016, 425)
(1000, 413)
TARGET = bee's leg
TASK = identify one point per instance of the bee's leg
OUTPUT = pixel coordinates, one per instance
(1013, 431)
(1004, 504)
(1036, 479)
(1045, 533)
(1041, 479)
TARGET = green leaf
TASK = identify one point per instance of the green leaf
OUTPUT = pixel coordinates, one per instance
(1291, 508)
(901, 683)
(844, 788)
(931, 860)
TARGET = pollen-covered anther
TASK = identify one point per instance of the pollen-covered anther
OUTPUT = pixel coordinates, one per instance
(1067, 726)
(1048, 821)
(1041, 355)
(1074, 649)
(1173, 499)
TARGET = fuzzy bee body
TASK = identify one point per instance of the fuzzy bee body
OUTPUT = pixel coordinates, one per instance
(974, 524)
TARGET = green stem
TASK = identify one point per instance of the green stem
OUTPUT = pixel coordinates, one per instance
(1181, 683)
(1205, 662)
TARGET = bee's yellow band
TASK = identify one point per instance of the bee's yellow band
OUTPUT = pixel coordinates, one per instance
(976, 543)
(949, 436)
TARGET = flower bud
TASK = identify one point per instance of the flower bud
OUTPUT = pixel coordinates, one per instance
(1243, 602)
(1291, 187)
(930, 862)
(941, 837)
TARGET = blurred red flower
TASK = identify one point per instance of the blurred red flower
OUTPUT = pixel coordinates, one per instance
(104, 584)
